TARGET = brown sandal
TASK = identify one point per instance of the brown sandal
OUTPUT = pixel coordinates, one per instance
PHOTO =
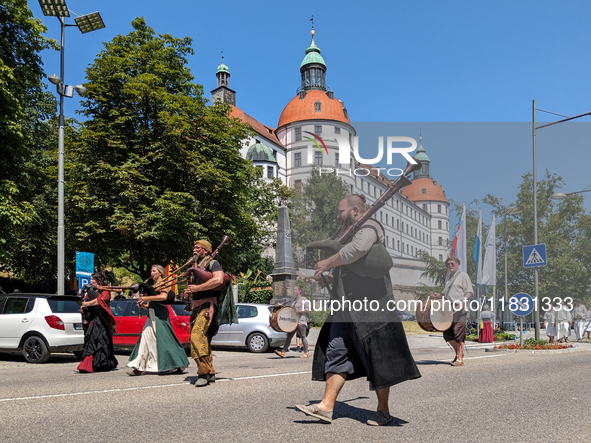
(135, 373)
(305, 355)
(458, 363)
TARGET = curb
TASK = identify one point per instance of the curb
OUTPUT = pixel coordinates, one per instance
(540, 351)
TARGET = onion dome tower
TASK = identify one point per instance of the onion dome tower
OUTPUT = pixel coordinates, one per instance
(223, 92)
(424, 159)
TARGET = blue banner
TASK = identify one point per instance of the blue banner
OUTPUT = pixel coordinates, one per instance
(84, 264)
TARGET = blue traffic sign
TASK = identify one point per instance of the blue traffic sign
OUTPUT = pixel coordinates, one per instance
(534, 255)
(521, 304)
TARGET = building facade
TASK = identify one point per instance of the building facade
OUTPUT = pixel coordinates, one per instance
(415, 219)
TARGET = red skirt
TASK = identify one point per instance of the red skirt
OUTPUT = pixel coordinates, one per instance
(486, 333)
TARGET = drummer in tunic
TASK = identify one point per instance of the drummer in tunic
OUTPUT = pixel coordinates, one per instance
(457, 289)
(301, 306)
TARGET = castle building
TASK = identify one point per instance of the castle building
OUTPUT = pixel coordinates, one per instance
(415, 219)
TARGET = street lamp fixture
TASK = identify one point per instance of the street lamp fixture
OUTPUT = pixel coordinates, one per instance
(86, 23)
(89, 22)
(561, 195)
(54, 8)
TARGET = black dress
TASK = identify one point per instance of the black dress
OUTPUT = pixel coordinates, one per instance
(98, 352)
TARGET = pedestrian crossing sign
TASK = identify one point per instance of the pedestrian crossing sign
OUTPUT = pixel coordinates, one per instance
(534, 255)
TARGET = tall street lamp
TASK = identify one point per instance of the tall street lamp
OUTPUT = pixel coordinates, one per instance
(534, 129)
(86, 23)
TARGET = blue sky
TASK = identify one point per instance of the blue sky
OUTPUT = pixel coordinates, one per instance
(414, 61)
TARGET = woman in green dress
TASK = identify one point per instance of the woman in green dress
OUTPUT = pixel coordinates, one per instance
(158, 349)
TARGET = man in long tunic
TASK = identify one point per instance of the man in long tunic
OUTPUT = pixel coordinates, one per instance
(579, 314)
(563, 318)
(354, 343)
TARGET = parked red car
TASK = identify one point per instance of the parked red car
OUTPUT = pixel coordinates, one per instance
(129, 326)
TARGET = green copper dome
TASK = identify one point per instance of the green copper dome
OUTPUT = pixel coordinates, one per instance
(222, 68)
(312, 55)
(421, 153)
(260, 152)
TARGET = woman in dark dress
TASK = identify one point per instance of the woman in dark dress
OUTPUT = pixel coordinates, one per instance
(97, 354)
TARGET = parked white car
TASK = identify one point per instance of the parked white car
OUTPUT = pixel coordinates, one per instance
(38, 324)
(252, 330)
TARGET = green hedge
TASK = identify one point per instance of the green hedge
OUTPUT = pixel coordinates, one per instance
(258, 292)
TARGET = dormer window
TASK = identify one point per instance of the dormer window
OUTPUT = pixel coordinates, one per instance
(317, 106)
(424, 190)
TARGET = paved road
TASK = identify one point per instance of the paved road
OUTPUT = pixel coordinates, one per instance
(495, 397)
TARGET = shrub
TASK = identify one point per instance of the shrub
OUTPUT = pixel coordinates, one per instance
(259, 292)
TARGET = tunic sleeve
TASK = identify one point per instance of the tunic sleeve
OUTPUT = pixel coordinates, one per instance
(362, 242)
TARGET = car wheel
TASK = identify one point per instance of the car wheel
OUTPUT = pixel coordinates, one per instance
(257, 342)
(35, 350)
(78, 354)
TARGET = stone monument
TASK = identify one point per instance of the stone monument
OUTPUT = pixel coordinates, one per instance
(284, 273)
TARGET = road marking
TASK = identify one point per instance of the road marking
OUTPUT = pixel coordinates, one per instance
(137, 388)
(263, 376)
(484, 356)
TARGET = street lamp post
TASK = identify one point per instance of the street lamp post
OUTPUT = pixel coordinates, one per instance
(86, 23)
(535, 189)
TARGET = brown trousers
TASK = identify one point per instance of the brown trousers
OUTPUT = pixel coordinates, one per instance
(200, 347)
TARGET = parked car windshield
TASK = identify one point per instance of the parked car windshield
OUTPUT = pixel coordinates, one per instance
(64, 306)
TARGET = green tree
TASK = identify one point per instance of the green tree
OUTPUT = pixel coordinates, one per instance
(156, 168)
(563, 226)
(24, 110)
(314, 209)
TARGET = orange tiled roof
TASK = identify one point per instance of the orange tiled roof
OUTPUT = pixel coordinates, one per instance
(433, 191)
(263, 130)
(299, 110)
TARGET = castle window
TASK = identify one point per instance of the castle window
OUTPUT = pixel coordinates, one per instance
(440, 242)
(298, 185)
(318, 130)
(424, 190)
(297, 159)
(337, 130)
(269, 171)
(439, 209)
(336, 159)
(298, 134)
(318, 159)
(440, 257)
(438, 224)
(317, 106)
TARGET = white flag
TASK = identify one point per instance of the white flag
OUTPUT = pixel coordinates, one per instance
(489, 268)
(478, 250)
